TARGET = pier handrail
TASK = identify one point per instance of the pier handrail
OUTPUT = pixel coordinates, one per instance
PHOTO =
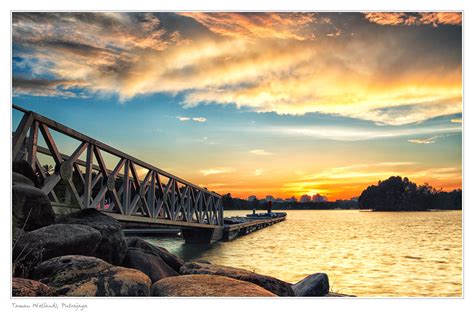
(130, 195)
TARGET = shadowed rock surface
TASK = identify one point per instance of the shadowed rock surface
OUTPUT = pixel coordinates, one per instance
(112, 247)
(22, 167)
(269, 283)
(207, 285)
(170, 259)
(18, 178)
(52, 241)
(89, 276)
(148, 263)
(312, 285)
(31, 208)
(26, 287)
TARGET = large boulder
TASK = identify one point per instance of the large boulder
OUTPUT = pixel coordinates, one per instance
(31, 209)
(22, 167)
(269, 283)
(90, 276)
(148, 263)
(18, 178)
(112, 247)
(312, 285)
(26, 287)
(170, 259)
(52, 241)
(207, 285)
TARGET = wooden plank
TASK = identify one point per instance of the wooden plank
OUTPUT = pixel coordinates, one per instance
(48, 138)
(20, 133)
(79, 173)
(126, 188)
(72, 189)
(39, 167)
(100, 161)
(152, 194)
(33, 145)
(86, 197)
(51, 182)
(99, 197)
(76, 154)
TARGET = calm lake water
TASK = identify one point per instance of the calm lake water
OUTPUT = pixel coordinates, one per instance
(364, 253)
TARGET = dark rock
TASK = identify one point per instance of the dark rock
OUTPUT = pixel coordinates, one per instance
(312, 285)
(22, 167)
(170, 259)
(207, 285)
(269, 283)
(31, 209)
(89, 276)
(113, 247)
(18, 178)
(26, 287)
(52, 241)
(203, 261)
(148, 263)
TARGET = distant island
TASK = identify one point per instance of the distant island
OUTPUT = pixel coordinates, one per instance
(397, 194)
(393, 194)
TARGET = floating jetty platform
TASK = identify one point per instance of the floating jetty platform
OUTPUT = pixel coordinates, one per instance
(240, 226)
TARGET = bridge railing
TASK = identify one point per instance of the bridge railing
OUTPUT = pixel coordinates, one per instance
(152, 193)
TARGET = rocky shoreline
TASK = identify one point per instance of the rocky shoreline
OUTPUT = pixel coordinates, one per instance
(85, 253)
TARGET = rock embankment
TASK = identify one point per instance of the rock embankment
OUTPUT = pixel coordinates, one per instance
(269, 283)
(207, 285)
(85, 253)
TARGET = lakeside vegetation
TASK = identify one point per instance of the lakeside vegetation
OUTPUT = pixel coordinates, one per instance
(397, 194)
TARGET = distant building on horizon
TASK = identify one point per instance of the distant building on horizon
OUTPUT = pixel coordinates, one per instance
(319, 198)
(292, 199)
(305, 198)
(252, 198)
(269, 198)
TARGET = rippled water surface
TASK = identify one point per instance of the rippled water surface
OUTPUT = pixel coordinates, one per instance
(364, 253)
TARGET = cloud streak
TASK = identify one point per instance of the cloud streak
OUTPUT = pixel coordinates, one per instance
(260, 152)
(194, 119)
(280, 62)
(216, 171)
(424, 141)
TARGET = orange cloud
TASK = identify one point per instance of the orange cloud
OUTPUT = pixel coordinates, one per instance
(422, 18)
(258, 25)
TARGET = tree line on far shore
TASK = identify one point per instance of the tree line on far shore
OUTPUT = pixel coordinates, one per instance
(397, 194)
(231, 203)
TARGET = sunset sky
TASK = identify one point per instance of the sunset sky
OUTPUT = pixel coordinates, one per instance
(280, 104)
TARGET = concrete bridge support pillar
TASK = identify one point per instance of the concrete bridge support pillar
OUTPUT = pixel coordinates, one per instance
(202, 235)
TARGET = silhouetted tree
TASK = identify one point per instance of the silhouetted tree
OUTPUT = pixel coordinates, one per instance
(397, 194)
